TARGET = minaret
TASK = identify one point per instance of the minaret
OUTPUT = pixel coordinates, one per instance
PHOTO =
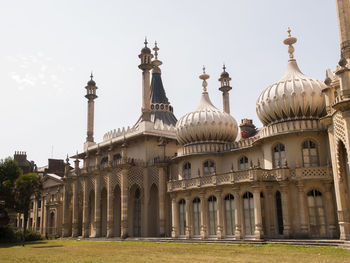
(225, 88)
(91, 96)
(146, 65)
(343, 9)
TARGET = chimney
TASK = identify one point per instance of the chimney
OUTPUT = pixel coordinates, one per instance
(247, 128)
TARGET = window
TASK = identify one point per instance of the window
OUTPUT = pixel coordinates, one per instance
(317, 217)
(38, 222)
(116, 159)
(137, 213)
(208, 167)
(310, 155)
(196, 216)
(230, 214)
(243, 163)
(248, 213)
(279, 212)
(187, 170)
(182, 217)
(212, 213)
(104, 163)
(279, 155)
(39, 203)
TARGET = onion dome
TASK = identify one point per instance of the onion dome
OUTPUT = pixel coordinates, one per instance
(91, 82)
(206, 123)
(146, 50)
(294, 96)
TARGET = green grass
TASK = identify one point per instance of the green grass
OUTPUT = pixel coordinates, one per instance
(67, 251)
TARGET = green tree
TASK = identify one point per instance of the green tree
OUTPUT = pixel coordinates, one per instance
(26, 186)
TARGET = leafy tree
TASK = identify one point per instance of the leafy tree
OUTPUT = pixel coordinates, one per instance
(9, 172)
(26, 186)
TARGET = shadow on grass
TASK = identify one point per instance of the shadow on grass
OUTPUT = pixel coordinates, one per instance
(8, 245)
(47, 246)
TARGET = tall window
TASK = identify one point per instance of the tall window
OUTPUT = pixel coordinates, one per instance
(279, 155)
(137, 213)
(187, 170)
(243, 163)
(212, 213)
(279, 212)
(182, 216)
(230, 214)
(116, 159)
(104, 162)
(208, 167)
(262, 205)
(317, 217)
(310, 155)
(196, 216)
(248, 213)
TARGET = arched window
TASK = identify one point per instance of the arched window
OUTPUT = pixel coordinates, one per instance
(187, 170)
(116, 158)
(104, 162)
(248, 213)
(317, 217)
(230, 214)
(279, 212)
(208, 167)
(212, 214)
(279, 155)
(310, 155)
(137, 213)
(182, 217)
(243, 163)
(196, 216)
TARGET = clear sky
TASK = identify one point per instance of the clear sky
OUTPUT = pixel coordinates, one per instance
(48, 49)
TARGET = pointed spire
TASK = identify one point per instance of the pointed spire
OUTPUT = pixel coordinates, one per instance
(155, 50)
(156, 63)
(204, 77)
(91, 76)
(290, 41)
(145, 41)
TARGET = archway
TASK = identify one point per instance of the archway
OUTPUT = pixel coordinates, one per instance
(116, 212)
(103, 209)
(153, 212)
(135, 211)
(248, 214)
(343, 163)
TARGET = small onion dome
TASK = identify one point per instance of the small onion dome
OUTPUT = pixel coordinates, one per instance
(224, 74)
(91, 82)
(206, 123)
(295, 96)
(146, 49)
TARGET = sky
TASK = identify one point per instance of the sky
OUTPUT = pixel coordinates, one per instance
(49, 48)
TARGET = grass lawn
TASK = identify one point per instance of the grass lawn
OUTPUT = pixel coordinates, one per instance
(67, 251)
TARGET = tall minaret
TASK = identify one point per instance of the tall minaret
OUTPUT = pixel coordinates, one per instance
(146, 65)
(91, 96)
(343, 9)
(225, 88)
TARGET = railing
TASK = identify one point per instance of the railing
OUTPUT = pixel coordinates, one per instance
(252, 175)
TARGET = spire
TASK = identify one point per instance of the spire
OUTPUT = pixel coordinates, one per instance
(290, 41)
(91, 96)
(156, 63)
(204, 77)
(225, 88)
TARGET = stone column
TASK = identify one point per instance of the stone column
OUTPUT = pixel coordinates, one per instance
(124, 202)
(174, 217)
(65, 229)
(75, 209)
(97, 206)
(302, 210)
(219, 230)
(257, 213)
(145, 203)
(269, 212)
(204, 206)
(343, 10)
(110, 197)
(285, 209)
(330, 210)
(238, 213)
(86, 209)
(188, 216)
(42, 216)
(161, 195)
(45, 230)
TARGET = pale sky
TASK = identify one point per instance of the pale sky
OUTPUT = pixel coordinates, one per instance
(48, 49)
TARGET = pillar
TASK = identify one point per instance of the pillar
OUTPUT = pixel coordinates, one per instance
(269, 212)
(86, 209)
(65, 229)
(343, 10)
(174, 217)
(144, 204)
(330, 211)
(188, 217)
(257, 213)
(124, 203)
(302, 210)
(238, 213)
(75, 209)
(42, 216)
(45, 230)
(110, 198)
(161, 198)
(204, 206)
(285, 210)
(219, 211)
(97, 206)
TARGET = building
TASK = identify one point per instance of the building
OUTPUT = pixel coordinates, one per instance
(199, 177)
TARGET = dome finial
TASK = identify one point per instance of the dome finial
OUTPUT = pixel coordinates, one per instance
(91, 76)
(224, 67)
(155, 50)
(290, 41)
(204, 77)
(145, 42)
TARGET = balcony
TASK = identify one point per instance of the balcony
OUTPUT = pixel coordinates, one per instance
(252, 175)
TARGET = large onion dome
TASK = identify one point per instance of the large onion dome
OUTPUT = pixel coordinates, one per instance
(206, 123)
(294, 96)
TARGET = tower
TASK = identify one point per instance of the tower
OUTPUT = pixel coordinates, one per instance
(146, 65)
(225, 88)
(343, 9)
(91, 96)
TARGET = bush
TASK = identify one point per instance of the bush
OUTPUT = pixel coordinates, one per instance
(10, 235)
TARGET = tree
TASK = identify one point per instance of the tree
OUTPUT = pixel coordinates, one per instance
(26, 186)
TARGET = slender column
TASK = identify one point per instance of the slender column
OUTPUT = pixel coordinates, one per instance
(124, 203)
(238, 213)
(42, 216)
(257, 214)
(97, 206)
(110, 197)
(145, 201)
(203, 215)
(45, 216)
(85, 209)
(65, 229)
(330, 211)
(270, 222)
(75, 209)
(285, 209)
(343, 8)
(302, 210)
(219, 230)
(174, 217)
(188, 217)
(161, 195)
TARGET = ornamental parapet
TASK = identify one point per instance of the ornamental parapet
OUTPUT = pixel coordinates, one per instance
(252, 175)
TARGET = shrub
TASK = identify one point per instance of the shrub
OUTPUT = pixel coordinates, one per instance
(10, 235)
(31, 235)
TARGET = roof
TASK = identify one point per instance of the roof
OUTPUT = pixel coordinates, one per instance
(157, 90)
